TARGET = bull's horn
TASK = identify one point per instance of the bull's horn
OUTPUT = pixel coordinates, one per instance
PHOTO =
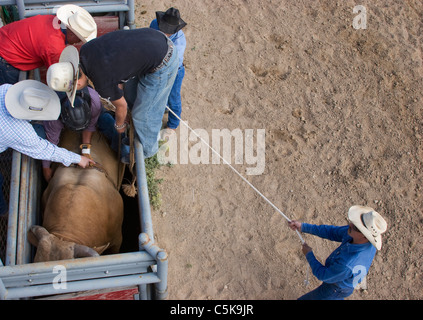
(81, 251)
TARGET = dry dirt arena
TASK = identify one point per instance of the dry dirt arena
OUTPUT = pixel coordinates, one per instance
(342, 112)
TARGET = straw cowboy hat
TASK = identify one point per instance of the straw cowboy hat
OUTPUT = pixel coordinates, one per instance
(170, 21)
(369, 222)
(78, 20)
(63, 75)
(32, 100)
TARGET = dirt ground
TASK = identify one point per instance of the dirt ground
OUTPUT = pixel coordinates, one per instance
(341, 109)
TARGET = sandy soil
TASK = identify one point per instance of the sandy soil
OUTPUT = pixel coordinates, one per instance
(341, 109)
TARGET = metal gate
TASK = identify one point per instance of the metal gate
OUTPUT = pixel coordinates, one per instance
(123, 8)
(19, 278)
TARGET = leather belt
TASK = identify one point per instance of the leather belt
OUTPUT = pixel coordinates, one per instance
(166, 58)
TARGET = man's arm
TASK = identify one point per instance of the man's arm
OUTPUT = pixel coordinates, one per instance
(121, 113)
(52, 129)
(333, 233)
(336, 272)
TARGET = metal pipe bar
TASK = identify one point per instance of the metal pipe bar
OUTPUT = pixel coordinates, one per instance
(60, 2)
(110, 260)
(161, 292)
(130, 17)
(143, 197)
(144, 209)
(12, 227)
(7, 2)
(148, 245)
(23, 209)
(34, 201)
(82, 273)
(3, 290)
(31, 8)
(93, 284)
(52, 3)
(29, 12)
(23, 75)
(21, 8)
(142, 292)
(162, 264)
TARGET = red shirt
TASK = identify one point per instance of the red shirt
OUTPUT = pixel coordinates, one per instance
(32, 42)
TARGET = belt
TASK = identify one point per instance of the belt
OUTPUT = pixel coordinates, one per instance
(166, 57)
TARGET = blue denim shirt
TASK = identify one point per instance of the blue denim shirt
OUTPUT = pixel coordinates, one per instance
(348, 264)
(178, 40)
(20, 135)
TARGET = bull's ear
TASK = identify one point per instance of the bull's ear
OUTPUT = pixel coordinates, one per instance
(36, 233)
(101, 249)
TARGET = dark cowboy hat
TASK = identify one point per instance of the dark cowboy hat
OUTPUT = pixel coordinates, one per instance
(170, 21)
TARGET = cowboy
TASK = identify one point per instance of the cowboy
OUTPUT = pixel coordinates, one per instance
(38, 41)
(171, 24)
(136, 67)
(348, 265)
(25, 101)
(80, 109)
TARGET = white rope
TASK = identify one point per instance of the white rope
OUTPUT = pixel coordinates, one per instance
(239, 174)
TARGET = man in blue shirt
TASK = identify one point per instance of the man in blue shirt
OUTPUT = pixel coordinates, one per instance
(348, 265)
(171, 24)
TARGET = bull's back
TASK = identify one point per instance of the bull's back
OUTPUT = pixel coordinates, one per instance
(82, 207)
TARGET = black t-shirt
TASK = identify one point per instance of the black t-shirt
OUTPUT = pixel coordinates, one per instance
(120, 55)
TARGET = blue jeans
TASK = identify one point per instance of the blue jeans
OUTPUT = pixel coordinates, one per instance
(327, 291)
(105, 124)
(148, 96)
(174, 102)
(8, 73)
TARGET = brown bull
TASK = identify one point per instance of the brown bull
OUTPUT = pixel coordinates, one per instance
(83, 210)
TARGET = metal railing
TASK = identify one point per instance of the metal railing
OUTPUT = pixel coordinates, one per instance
(125, 8)
(21, 279)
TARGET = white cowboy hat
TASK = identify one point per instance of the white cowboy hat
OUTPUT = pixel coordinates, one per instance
(32, 100)
(63, 75)
(78, 20)
(370, 223)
